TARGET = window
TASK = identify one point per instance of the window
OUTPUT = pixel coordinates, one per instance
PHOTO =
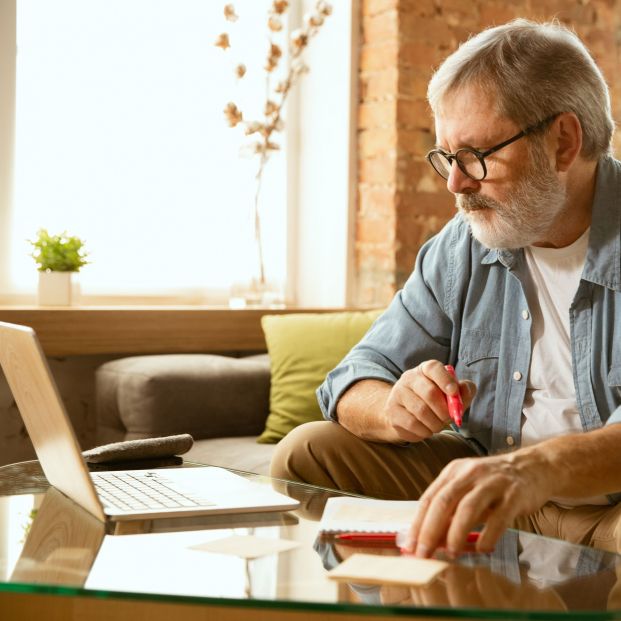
(115, 132)
(120, 138)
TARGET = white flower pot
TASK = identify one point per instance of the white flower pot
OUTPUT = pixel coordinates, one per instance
(58, 288)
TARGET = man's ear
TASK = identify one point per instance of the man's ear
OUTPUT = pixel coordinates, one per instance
(567, 133)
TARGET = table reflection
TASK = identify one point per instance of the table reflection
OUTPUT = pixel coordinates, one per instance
(61, 545)
(525, 572)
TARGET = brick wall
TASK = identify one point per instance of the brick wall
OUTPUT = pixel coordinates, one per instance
(401, 201)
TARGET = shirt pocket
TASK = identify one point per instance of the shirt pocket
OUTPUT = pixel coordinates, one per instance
(478, 362)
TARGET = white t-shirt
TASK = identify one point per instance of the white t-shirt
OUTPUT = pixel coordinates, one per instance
(550, 407)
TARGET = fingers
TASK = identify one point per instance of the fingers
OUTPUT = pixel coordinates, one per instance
(467, 390)
(477, 506)
(495, 526)
(410, 428)
(417, 403)
(421, 405)
(442, 503)
(467, 493)
(420, 540)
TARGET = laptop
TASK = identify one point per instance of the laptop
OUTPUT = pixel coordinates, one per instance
(115, 495)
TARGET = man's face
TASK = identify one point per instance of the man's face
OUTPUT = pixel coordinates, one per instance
(521, 197)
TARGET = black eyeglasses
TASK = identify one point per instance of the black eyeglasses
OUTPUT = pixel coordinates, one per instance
(472, 162)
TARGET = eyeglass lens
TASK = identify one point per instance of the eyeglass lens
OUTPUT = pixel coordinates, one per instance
(467, 161)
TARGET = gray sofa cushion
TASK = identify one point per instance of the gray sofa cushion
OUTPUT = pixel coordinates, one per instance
(205, 395)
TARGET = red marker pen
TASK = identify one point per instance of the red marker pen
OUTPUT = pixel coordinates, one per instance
(454, 402)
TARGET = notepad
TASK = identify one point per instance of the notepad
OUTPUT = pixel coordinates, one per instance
(367, 515)
(377, 569)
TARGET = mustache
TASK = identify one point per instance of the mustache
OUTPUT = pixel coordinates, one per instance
(474, 202)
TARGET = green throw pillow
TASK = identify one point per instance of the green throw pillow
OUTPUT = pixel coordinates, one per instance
(303, 348)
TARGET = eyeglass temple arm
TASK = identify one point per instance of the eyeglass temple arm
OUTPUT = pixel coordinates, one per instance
(528, 130)
(506, 143)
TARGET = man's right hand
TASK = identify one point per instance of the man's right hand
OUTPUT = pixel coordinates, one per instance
(416, 407)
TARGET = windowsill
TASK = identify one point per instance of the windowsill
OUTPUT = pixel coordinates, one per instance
(89, 330)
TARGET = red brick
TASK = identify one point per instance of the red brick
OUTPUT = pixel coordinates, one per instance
(441, 204)
(377, 170)
(415, 141)
(423, 181)
(461, 19)
(375, 7)
(377, 114)
(424, 28)
(415, 231)
(413, 82)
(414, 114)
(379, 257)
(379, 85)
(376, 259)
(567, 11)
(380, 28)
(456, 5)
(422, 8)
(496, 14)
(377, 141)
(600, 41)
(376, 201)
(374, 290)
(412, 235)
(379, 56)
(375, 230)
(459, 34)
(605, 13)
(416, 53)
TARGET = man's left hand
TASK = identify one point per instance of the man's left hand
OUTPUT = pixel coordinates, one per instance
(482, 490)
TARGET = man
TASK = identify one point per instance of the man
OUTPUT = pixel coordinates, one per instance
(520, 292)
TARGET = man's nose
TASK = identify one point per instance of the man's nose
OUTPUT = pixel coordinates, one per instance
(458, 182)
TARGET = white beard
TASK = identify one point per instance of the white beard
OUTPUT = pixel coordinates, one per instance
(526, 217)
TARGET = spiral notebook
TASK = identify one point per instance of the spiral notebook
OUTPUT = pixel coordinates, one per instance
(367, 515)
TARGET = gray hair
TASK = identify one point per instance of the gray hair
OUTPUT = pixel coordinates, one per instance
(533, 71)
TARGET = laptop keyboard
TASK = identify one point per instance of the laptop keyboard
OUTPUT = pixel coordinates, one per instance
(127, 492)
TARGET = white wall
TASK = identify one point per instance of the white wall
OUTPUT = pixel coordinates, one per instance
(320, 262)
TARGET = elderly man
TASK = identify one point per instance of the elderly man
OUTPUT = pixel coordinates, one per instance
(520, 292)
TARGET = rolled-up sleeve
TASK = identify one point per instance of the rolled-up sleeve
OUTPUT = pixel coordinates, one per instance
(414, 328)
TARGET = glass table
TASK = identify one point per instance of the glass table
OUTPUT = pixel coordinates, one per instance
(58, 562)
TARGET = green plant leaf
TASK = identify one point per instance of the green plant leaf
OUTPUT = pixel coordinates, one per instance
(58, 253)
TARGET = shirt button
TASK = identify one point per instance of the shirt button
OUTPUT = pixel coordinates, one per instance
(525, 314)
(510, 440)
(517, 376)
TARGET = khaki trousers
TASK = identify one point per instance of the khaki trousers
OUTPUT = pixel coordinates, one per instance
(327, 455)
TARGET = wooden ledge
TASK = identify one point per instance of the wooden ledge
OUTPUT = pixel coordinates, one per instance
(87, 330)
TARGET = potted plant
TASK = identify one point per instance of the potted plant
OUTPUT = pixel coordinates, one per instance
(58, 257)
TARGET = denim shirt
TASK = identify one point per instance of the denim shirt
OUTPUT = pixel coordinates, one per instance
(465, 305)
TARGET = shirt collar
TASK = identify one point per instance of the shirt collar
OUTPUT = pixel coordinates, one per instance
(506, 256)
(602, 265)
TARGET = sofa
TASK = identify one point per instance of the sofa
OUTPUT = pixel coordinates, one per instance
(222, 401)
(236, 409)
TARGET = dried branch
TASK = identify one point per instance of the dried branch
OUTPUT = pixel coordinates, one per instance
(276, 95)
